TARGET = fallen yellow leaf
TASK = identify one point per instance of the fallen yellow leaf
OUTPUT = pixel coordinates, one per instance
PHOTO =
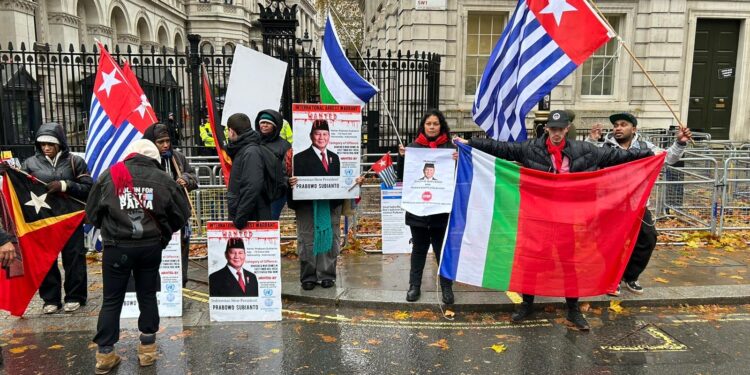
(401, 315)
(499, 348)
(365, 350)
(442, 344)
(736, 277)
(374, 342)
(661, 280)
(56, 346)
(327, 338)
(274, 350)
(449, 314)
(21, 349)
(693, 244)
(615, 306)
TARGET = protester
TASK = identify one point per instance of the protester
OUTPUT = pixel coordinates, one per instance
(269, 124)
(433, 132)
(553, 153)
(66, 175)
(318, 233)
(245, 198)
(625, 136)
(137, 207)
(177, 166)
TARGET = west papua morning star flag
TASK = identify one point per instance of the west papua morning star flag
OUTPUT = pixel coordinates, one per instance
(384, 169)
(219, 139)
(544, 41)
(557, 235)
(43, 224)
(110, 127)
(144, 115)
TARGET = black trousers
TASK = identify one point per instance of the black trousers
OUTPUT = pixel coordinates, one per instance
(571, 302)
(185, 252)
(76, 282)
(421, 239)
(117, 265)
(644, 247)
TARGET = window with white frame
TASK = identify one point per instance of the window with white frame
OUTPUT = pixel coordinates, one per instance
(598, 72)
(483, 30)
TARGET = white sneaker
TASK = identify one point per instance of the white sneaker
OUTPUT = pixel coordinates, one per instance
(50, 309)
(71, 306)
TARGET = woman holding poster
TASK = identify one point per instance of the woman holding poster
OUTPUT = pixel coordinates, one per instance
(433, 133)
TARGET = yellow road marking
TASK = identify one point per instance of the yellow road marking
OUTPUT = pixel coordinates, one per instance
(514, 297)
(668, 344)
(186, 290)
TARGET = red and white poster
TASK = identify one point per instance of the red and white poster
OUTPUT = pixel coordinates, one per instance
(327, 150)
(428, 181)
(244, 271)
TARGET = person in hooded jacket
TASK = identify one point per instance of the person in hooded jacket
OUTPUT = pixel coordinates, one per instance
(137, 207)
(245, 198)
(65, 174)
(268, 124)
(433, 132)
(177, 166)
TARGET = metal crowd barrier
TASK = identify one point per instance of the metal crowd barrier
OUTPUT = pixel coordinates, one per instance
(735, 196)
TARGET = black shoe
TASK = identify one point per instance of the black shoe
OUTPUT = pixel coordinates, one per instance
(413, 293)
(575, 317)
(308, 285)
(634, 286)
(448, 298)
(524, 312)
(327, 283)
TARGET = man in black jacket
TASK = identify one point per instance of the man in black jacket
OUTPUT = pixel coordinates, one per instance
(65, 174)
(233, 280)
(268, 123)
(317, 160)
(245, 198)
(177, 166)
(553, 153)
(137, 208)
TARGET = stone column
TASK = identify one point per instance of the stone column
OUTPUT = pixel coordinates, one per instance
(101, 33)
(17, 22)
(63, 29)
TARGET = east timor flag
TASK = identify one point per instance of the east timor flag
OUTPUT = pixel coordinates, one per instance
(44, 222)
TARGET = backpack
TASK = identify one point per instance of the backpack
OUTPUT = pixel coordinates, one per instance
(274, 183)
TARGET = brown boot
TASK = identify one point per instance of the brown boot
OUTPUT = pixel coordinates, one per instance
(147, 354)
(106, 362)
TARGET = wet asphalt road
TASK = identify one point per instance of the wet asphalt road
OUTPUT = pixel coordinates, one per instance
(325, 340)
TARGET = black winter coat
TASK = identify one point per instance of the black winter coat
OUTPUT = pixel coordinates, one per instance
(429, 221)
(273, 141)
(582, 156)
(69, 168)
(123, 221)
(245, 198)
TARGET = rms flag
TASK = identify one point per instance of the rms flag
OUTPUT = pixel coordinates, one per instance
(43, 224)
(111, 126)
(544, 41)
(533, 232)
(219, 141)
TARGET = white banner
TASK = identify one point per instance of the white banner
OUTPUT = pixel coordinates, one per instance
(395, 235)
(337, 132)
(169, 295)
(252, 253)
(428, 180)
(256, 82)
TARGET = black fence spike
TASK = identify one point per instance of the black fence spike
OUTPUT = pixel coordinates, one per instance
(59, 47)
(10, 46)
(23, 46)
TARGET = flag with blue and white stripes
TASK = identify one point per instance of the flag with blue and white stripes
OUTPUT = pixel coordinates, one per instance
(544, 41)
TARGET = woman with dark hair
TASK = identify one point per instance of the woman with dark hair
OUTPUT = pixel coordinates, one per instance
(427, 230)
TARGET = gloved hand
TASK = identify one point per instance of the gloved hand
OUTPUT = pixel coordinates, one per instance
(54, 187)
(239, 224)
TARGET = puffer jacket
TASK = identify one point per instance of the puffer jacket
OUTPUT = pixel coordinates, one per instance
(429, 221)
(245, 201)
(71, 169)
(582, 156)
(273, 141)
(163, 207)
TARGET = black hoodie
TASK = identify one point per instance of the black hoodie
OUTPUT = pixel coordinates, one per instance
(245, 198)
(69, 168)
(276, 144)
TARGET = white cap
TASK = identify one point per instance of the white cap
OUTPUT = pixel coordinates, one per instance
(145, 148)
(47, 139)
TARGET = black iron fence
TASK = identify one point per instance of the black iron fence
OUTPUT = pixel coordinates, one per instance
(55, 84)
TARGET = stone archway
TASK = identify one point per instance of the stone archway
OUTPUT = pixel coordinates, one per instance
(118, 21)
(179, 43)
(162, 37)
(88, 17)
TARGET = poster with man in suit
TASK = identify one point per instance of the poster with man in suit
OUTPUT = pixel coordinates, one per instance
(326, 151)
(244, 271)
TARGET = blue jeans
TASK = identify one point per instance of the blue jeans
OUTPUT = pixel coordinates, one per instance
(276, 207)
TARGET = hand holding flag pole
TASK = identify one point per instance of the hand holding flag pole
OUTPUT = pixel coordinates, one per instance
(33, 178)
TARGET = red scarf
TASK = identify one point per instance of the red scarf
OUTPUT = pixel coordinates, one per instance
(422, 140)
(556, 152)
(121, 177)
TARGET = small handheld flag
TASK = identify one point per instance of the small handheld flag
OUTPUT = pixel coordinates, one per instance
(384, 169)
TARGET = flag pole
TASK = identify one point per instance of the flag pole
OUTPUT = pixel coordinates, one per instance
(385, 104)
(187, 194)
(33, 178)
(643, 69)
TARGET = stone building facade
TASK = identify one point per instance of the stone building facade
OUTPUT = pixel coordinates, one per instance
(695, 50)
(221, 23)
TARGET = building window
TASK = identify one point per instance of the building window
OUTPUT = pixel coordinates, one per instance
(207, 49)
(598, 72)
(229, 49)
(483, 32)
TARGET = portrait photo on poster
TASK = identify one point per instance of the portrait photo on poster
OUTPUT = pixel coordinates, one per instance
(327, 150)
(234, 279)
(428, 181)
